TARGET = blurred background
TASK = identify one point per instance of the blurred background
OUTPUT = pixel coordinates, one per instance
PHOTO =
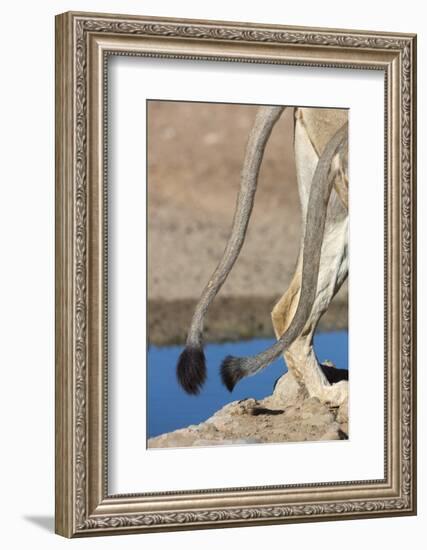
(195, 155)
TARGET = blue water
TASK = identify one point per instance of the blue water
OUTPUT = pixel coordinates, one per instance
(170, 408)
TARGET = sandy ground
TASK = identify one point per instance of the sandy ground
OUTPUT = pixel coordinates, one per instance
(289, 414)
(195, 154)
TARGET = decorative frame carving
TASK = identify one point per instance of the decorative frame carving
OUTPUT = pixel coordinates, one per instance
(83, 42)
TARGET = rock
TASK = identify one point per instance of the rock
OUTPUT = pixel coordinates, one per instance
(210, 442)
(286, 415)
(288, 390)
(332, 433)
(342, 414)
(344, 429)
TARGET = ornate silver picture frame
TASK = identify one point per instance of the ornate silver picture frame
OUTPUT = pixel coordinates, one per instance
(84, 504)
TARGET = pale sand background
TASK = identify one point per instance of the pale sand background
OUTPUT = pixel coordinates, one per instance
(195, 154)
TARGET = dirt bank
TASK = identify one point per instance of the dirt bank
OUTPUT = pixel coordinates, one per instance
(229, 319)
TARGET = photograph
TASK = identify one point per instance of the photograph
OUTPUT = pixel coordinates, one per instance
(247, 274)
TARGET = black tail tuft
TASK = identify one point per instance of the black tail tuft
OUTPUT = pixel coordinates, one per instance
(231, 371)
(191, 370)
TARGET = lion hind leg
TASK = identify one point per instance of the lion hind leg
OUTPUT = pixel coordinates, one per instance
(300, 356)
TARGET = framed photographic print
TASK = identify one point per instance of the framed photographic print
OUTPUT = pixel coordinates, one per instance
(235, 274)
